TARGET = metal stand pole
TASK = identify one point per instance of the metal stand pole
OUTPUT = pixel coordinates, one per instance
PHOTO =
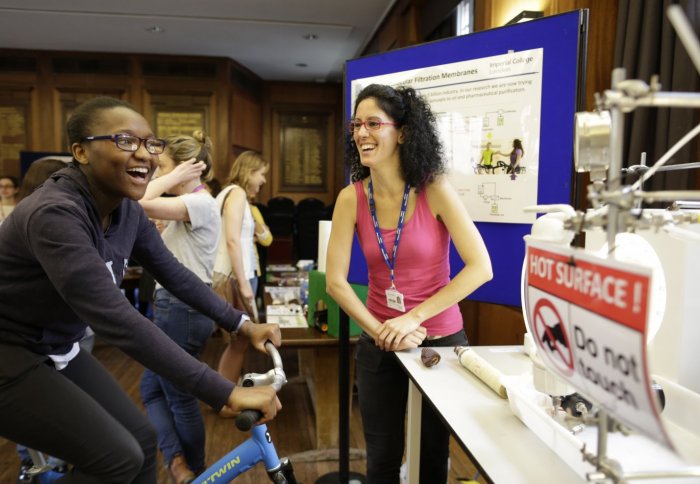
(343, 476)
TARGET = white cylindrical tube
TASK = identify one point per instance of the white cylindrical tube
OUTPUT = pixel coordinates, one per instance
(324, 232)
(482, 369)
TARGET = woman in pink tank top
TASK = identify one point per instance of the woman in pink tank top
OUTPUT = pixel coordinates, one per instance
(405, 213)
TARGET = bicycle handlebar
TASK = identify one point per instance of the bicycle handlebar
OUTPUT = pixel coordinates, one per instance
(247, 418)
(275, 378)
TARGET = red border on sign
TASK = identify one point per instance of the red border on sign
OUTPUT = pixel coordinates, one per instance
(634, 312)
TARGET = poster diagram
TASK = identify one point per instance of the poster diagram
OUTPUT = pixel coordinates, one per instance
(488, 115)
(588, 316)
(488, 192)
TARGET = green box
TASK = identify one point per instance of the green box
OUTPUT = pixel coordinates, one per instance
(317, 290)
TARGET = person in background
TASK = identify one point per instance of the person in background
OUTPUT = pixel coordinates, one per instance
(66, 245)
(38, 172)
(236, 258)
(486, 161)
(262, 237)
(191, 233)
(405, 212)
(9, 186)
(516, 155)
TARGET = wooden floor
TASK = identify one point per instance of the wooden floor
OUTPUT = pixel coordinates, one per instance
(292, 430)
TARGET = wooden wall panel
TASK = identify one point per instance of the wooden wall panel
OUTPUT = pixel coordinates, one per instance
(65, 100)
(15, 127)
(171, 113)
(301, 97)
(246, 122)
(500, 325)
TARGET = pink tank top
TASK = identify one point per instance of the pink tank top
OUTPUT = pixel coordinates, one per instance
(422, 264)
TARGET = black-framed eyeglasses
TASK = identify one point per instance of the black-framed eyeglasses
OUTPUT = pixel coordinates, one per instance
(129, 142)
(372, 124)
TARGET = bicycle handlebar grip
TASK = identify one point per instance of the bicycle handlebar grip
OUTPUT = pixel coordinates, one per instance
(247, 418)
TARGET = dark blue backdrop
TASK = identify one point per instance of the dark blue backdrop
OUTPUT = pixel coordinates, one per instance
(562, 38)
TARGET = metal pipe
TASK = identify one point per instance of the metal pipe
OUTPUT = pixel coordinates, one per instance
(660, 474)
(602, 438)
(655, 99)
(617, 131)
(667, 156)
(685, 33)
(670, 196)
(682, 166)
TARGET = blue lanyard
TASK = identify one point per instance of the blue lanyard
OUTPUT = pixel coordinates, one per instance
(390, 263)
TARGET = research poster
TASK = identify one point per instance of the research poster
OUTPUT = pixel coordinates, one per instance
(588, 317)
(488, 112)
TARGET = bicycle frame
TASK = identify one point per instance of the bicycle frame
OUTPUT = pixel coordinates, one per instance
(258, 447)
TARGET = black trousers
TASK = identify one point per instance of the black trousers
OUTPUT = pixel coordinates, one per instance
(79, 414)
(383, 394)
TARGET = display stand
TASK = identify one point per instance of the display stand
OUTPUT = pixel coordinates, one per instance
(343, 476)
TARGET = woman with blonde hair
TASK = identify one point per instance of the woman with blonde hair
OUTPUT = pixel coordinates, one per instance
(236, 259)
(191, 231)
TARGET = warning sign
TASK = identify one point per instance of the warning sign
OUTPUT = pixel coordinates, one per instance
(550, 330)
(588, 316)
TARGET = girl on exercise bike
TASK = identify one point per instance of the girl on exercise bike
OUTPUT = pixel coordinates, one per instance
(63, 252)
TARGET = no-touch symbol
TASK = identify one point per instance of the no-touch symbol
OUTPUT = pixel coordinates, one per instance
(551, 335)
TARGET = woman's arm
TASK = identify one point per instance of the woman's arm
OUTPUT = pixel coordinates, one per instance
(448, 208)
(338, 263)
(170, 208)
(263, 236)
(233, 212)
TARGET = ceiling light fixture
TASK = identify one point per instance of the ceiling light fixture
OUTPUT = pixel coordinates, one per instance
(525, 15)
(301, 64)
(311, 36)
(156, 29)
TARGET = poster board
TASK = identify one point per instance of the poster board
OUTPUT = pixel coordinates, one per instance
(493, 62)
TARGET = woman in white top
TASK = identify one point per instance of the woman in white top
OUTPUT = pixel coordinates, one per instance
(236, 258)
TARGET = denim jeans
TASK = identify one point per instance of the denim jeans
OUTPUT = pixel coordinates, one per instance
(174, 413)
(382, 393)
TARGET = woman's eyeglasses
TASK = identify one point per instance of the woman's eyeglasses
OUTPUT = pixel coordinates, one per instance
(129, 142)
(372, 124)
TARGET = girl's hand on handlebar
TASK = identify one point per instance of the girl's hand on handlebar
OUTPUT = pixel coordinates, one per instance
(263, 398)
(259, 334)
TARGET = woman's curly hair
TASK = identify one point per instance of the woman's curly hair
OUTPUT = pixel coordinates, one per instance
(421, 153)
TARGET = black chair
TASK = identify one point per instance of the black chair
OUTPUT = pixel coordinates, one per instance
(329, 212)
(308, 213)
(279, 216)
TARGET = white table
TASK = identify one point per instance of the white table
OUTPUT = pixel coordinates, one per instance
(498, 443)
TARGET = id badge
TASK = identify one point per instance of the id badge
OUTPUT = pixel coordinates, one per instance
(394, 299)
